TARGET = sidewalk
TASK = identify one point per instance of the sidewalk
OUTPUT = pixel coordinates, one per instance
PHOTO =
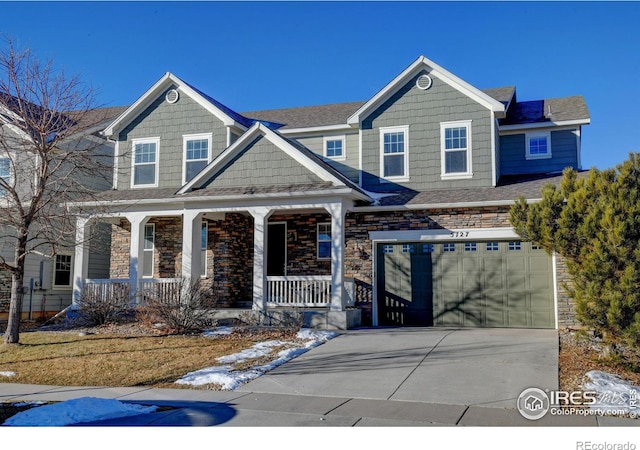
(196, 408)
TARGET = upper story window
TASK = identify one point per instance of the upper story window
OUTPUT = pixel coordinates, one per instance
(394, 152)
(197, 151)
(334, 147)
(5, 171)
(455, 142)
(538, 145)
(145, 162)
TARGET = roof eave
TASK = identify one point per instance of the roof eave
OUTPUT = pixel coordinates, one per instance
(550, 124)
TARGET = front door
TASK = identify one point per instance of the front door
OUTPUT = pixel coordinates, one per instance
(276, 249)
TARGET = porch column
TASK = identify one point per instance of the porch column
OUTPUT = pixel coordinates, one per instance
(337, 211)
(260, 218)
(191, 244)
(137, 221)
(81, 258)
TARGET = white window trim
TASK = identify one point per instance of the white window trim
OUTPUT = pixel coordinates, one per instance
(344, 147)
(318, 241)
(134, 142)
(145, 251)
(53, 272)
(192, 137)
(457, 175)
(537, 134)
(404, 129)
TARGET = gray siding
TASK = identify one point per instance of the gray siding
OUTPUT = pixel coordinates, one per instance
(169, 122)
(263, 164)
(423, 111)
(349, 166)
(564, 153)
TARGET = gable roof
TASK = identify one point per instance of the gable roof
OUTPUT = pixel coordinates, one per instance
(222, 112)
(301, 154)
(420, 64)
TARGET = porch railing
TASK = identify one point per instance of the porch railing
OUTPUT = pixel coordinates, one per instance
(306, 291)
(112, 289)
(301, 291)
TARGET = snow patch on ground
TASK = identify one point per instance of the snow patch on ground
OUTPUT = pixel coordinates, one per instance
(220, 331)
(613, 393)
(229, 379)
(7, 374)
(80, 410)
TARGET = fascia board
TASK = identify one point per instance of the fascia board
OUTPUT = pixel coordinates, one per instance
(529, 126)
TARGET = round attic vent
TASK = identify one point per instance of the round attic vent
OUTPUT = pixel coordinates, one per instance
(172, 96)
(424, 82)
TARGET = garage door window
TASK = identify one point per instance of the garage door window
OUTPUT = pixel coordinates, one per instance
(449, 248)
(470, 247)
(515, 246)
(387, 249)
(493, 247)
(407, 248)
(427, 248)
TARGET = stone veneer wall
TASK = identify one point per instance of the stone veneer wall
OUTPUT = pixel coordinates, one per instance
(230, 264)
(302, 251)
(566, 305)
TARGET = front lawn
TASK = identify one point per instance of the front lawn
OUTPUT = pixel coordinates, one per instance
(111, 359)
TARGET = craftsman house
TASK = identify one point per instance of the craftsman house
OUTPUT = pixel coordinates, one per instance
(390, 211)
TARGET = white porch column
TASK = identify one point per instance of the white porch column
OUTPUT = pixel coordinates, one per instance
(260, 218)
(81, 258)
(337, 211)
(137, 221)
(191, 244)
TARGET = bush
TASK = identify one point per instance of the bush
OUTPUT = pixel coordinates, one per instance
(100, 306)
(183, 306)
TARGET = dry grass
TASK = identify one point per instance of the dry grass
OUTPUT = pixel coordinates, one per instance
(68, 359)
(579, 354)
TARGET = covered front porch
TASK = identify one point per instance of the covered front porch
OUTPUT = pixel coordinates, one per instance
(251, 257)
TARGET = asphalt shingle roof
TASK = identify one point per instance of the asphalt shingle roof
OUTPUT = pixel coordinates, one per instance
(548, 110)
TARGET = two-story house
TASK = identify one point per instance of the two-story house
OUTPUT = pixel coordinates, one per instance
(48, 273)
(391, 211)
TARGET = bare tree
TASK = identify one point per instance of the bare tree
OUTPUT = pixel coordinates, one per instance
(50, 154)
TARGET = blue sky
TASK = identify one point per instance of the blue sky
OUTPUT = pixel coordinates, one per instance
(263, 55)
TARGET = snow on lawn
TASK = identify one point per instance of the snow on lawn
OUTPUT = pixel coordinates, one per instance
(7, 374)
(80, 410)
(230, 379)
(613, 393)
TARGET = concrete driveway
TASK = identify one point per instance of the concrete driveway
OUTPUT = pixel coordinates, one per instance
(481, 367)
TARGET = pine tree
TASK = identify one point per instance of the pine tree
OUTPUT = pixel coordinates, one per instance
(594, 222)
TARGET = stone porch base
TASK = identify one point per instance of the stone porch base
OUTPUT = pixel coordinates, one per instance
(319, 319)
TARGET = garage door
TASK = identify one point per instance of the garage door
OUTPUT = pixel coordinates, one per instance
(468, 284)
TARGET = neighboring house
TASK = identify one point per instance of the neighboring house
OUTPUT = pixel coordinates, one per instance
(48, 273)
(391, 211)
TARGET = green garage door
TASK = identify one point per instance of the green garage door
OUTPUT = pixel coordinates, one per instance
(470, 284)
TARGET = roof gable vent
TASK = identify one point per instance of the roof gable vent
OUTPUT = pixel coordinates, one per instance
(172, 96)
(424, 82)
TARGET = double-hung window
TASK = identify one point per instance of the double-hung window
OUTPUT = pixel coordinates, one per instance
(203, 247)
(324, 241)
(334, 147)
(145, 162)
(5, 172)
(148, 250)
(455, 141)
(197, 151)
(394, 152)
(62, 271)
(538, 145)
